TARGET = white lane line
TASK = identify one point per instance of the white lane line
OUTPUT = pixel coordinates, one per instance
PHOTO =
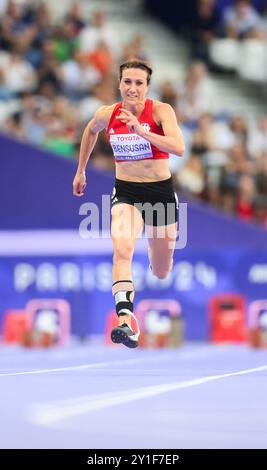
(183, 355)
(51, 413)
(95, 365)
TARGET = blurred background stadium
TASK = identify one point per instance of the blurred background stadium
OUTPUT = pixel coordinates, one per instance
(58, 64)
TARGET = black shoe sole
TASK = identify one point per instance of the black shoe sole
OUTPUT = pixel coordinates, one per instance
(118, 335)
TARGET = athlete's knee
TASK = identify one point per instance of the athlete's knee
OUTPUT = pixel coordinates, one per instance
(160, 273)
(123, 252)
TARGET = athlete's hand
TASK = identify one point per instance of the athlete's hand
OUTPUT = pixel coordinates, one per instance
(79, 184)
(131, 121)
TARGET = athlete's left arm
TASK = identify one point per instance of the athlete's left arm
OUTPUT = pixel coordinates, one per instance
(171, 142)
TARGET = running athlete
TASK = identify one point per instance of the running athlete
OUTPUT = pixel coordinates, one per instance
(142, 133)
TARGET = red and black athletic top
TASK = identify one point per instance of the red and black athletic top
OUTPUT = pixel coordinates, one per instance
(128, 146)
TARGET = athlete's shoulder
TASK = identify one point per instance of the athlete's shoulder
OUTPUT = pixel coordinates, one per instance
(162, 111)
(161, 107)
(103, 114)
(105, 110)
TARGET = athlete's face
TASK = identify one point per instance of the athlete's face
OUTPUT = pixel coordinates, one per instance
(133, 85)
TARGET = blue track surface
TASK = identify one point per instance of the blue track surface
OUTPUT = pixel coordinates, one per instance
(95, 397)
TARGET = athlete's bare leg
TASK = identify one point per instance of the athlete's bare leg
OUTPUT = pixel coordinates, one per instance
(161, 247)
(126, 226)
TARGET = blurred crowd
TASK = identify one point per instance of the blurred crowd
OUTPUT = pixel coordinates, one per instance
(55, 74)
(229, 27)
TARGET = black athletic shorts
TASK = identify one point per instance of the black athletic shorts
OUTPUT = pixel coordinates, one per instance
(156, 201)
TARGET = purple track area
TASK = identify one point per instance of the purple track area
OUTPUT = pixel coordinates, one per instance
(94, 397)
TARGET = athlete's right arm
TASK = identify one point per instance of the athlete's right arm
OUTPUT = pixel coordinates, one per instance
(98, 123)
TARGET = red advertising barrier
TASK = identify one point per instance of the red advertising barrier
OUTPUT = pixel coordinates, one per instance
(227, 318)
(15, 325)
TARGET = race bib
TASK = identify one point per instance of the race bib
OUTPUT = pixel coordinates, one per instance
(130, 147)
